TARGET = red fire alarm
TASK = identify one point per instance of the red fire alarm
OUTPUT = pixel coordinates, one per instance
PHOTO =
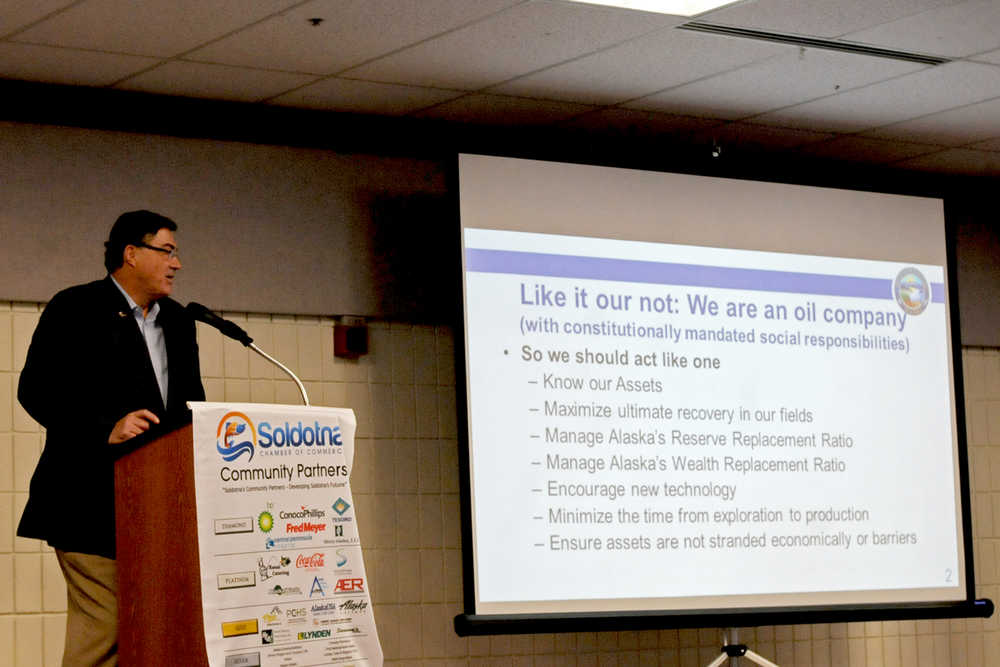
(350, 339)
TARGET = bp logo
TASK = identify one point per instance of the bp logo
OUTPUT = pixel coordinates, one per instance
(265, 521)
(235, 436)
(911, 290)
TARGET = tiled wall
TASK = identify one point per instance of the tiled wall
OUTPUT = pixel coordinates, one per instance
(405, 484)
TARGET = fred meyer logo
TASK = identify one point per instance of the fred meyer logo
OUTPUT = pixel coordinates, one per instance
(306, 526)
(230, 436)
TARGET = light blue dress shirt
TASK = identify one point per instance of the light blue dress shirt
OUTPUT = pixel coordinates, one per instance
(152, 333)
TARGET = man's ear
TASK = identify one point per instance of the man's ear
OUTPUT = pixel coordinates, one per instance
(129, 255)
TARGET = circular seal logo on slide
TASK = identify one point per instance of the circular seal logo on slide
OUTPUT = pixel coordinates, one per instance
(912, 291)
(231, 436)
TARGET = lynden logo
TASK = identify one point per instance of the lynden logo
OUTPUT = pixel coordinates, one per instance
(314, 634)
(232, 427)
(310, 562)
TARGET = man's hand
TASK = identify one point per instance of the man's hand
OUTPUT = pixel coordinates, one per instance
(132, 425)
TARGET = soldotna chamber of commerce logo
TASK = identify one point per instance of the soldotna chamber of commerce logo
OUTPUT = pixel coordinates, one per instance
(911, 290)
(235, 436)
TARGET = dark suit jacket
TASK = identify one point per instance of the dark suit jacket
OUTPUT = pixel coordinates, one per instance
(86, 368)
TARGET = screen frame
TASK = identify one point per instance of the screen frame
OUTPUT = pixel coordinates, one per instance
(472, 623)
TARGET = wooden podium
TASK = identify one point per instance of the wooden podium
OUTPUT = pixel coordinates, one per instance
(159, 581)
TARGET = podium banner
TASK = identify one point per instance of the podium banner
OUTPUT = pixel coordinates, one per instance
(282, 577)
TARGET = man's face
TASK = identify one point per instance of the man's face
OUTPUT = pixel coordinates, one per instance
(155, 269)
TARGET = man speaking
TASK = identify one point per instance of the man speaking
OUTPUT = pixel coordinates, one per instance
(108, 361)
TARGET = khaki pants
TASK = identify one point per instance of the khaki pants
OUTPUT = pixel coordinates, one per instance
(91, 610)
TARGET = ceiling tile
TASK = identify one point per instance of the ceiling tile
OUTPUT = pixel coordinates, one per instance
(151, 27)
(15, 14)
(906, 97)
(864, 149)
(67, 66)
(501, 110)
(219, 82)
(526, 38)
(991, 57)
(957, 161)
(748, 136)
(768, 85)
(633, 123)
(991, 145)
(819, 18)
(364, 97)
(646, 65)
(954, 127)
(957, 30)
(352, 32)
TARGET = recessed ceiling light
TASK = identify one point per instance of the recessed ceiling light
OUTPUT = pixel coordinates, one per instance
(675, 7)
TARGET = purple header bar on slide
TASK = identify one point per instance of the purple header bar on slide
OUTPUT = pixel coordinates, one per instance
(691, 275)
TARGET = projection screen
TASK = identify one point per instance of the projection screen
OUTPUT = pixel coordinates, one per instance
(689, 395)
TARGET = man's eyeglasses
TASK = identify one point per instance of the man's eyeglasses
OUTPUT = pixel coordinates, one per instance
(171, 253)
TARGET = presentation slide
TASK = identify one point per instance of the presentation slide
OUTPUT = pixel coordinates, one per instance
(658, 425)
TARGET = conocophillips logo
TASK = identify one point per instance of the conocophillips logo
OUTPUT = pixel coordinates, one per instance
(911, 290)
(232, 427)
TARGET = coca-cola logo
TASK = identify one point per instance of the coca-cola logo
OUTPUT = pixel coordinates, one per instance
(315, 560)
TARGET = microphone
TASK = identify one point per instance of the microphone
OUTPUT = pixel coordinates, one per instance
(230, 329)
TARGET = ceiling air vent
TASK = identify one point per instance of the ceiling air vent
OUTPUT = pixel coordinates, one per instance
(813, 42)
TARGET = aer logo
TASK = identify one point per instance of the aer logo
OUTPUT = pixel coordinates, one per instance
(349, 585)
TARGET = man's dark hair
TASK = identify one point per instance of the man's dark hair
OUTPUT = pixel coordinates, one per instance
(132, 228)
